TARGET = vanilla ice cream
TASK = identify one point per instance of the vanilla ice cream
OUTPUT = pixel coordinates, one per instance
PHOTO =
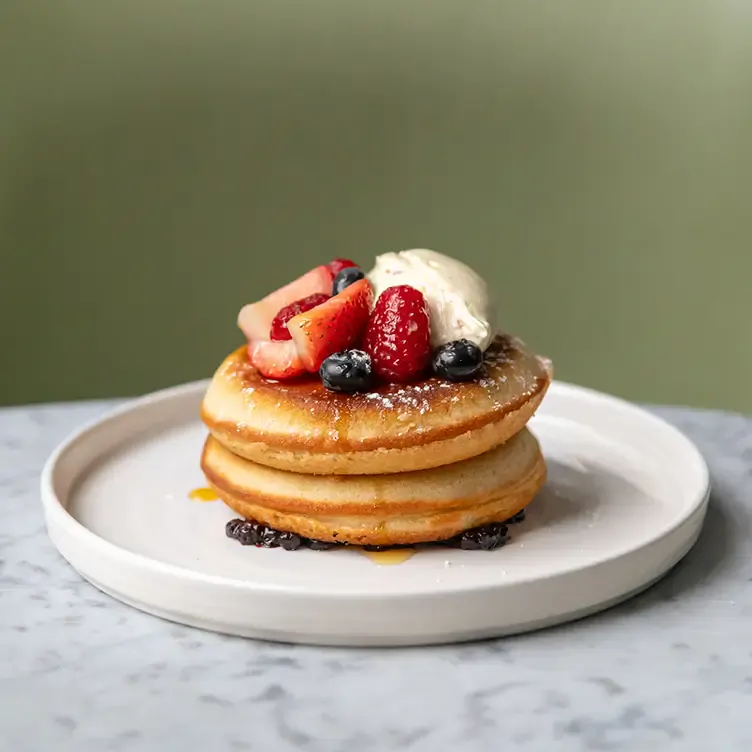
(457, 297)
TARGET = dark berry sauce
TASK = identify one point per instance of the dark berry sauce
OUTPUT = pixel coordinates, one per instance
(249, 533)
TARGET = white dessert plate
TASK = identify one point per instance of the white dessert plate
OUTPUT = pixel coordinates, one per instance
(624, 502)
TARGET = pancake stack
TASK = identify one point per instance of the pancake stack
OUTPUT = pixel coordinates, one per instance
(399, 465)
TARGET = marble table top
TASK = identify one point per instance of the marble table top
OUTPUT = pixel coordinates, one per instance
(669, 670)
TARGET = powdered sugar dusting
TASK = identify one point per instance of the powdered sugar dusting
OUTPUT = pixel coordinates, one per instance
(412, 397)
(510, 373)
(499, 374)
(359, 358)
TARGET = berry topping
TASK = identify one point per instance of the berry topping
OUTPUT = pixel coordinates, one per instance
(276, 360)
(457, 361)
(345, 278)
(267, 537)
(255, 319)
(347, 371)
(244, 531)
(483, 538)
(251, 533)
(290, 541)
(338, 264)
(398, 335)
(317, 545)
(332, 326)
(278, 330)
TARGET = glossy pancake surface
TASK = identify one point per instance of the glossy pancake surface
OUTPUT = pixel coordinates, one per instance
(302, 427)
(403, 508)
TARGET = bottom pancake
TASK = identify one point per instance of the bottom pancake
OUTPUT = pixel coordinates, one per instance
(382, 510)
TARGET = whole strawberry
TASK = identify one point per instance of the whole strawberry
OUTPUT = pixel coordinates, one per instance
(398, 335)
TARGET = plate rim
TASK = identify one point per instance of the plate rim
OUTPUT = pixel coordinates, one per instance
(57, 514)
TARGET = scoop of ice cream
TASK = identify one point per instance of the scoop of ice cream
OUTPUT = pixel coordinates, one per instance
(457, 297)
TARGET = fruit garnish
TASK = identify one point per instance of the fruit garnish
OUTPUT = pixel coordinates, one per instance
(347, 371)
(487, 537)
(347, 277)
(398, 335)
(252, 533)
(332, 326)
(338, 264)
(483, 538)
(255, 319)
(278, 330)
(457, 361)
(275, 360)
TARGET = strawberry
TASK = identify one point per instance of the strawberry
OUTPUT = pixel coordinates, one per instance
(338, 264)
(255, 319)
(398, 335)
(332, 326)
(279, 330)
(275, 360)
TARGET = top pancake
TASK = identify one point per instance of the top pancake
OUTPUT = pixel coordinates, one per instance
(300, 426)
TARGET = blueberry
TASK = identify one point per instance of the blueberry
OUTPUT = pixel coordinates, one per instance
(252, 533)
(268, 537)
(317, 545)
(348, 276)
(347, 371)
(483, 538)
(290, 541)
(458, 360)
(244, 531)
(519, 517)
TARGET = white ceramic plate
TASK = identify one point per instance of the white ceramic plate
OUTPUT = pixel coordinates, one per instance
(625, 500)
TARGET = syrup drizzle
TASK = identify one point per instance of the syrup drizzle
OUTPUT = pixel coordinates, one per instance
(389, 557)
(203, 494)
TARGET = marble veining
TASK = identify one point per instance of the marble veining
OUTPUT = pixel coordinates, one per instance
(669, 670)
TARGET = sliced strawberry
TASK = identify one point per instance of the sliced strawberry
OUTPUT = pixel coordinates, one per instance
(338, 264)
(255, 319)
(398, 335)
(331, 326)
(279, 331)
(276, 360)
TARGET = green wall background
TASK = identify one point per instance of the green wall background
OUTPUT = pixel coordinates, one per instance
(163, 163)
